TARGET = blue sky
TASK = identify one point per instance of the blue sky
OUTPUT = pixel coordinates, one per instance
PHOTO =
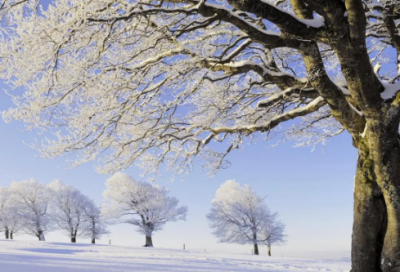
(312, 192)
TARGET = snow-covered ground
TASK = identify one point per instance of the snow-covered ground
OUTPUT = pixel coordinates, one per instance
(34, 256)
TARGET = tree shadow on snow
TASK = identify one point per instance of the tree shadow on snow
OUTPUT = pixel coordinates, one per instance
(52, 250)
(74, 244)
(21, 263)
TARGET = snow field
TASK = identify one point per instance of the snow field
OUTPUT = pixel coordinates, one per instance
(35, 256)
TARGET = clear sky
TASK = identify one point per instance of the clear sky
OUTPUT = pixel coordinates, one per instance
(312, 192)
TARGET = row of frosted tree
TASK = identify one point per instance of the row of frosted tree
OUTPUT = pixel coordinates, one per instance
(238, 214)
(33, 208)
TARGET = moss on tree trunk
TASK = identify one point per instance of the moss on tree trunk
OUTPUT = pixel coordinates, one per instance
(369, 219)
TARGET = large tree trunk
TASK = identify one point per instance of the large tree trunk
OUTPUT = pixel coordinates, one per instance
(149, 241)
(369, 219)
(73, 239)
(385, 151)
(7, 233)
(93, 241)
(376, 229)
(11, 235)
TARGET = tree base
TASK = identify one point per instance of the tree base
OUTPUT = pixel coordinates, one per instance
(149, 242)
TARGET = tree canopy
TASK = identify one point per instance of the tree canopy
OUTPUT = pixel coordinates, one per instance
(158, 82)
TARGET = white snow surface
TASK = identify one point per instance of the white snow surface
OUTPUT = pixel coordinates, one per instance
(316, 23)
(35, 256)
(390, 90)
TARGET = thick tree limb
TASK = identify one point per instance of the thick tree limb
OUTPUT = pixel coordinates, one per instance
(286, 94)
(263, 127)
(286, 22)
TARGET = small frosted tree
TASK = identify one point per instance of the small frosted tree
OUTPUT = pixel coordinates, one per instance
(273, 233)
(10, 218)
(94, 226)
(141, 204)
(239, 215)
(68, 209)
(33, 200)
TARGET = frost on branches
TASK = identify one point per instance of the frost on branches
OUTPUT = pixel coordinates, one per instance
(68, 208)
(239, 215)
(94, 225)
(35, 208)
(33, 199)
(141, 204)
(157, 83)
(170, 82)
(10, 217)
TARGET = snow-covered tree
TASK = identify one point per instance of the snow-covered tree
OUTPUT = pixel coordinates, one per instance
(10, 218)
(68, 209)
(141, 204)
(239, 215)
(32, 199)
(273, 233)
(94, 226)
(166, 81)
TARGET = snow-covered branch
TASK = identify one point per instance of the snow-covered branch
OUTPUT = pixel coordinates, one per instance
(156, 82)
(291, 114)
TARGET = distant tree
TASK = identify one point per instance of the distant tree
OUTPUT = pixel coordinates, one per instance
(239, 215)
(33, 200)
(94, 226)
(68, 210)
(141, 204)
(272, 232)
(10, 218)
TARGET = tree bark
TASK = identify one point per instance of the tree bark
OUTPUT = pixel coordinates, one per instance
(7, 233)
(93, 241)
(40, 236)
(73, 239)
(11, 235)
(269, 251)
(369, 222)
(376, 229)
(385, 152)
(256, 252)
(149, 228)
(149, 241)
